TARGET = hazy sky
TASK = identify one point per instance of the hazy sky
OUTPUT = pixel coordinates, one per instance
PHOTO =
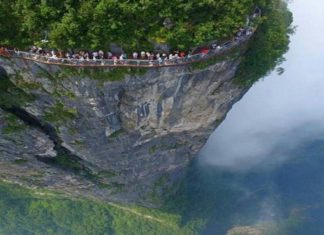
(285, 109)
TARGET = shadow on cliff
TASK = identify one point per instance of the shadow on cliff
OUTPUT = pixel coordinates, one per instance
(3, 73)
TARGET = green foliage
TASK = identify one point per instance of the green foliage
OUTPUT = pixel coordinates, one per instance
(101, 74)
(74, 165)
(11, 95)
(159, 185)
(133, 25)
(25, 212)
(268, 45)
(68, 163)
(152, 149)
(28, 85)
(20, 161)
(116, 134)
(12, 124)
(59, 114)
(10, 25)
(107, 174)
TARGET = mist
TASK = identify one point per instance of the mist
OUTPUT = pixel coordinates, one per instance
(279, 113)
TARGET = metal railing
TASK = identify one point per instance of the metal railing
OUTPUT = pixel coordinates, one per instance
(220, 49)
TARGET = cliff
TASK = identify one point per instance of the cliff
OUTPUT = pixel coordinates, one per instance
(124, 135)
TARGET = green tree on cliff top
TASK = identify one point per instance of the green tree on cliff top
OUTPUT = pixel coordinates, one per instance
(94, 24)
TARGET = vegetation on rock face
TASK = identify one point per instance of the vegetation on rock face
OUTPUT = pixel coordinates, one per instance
(11, 95)
(12, 124)
(102, 74)
(59, 114)
(94, 24)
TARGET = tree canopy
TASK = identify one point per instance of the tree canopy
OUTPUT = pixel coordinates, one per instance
(27, 212)
(267, 48)
(95, 24)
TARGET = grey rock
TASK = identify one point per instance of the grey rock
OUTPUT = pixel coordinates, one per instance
(139, 129)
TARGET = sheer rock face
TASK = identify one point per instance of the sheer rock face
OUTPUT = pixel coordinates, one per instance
(136, 135)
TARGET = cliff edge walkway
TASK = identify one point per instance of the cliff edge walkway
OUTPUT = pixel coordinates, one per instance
(207, 52)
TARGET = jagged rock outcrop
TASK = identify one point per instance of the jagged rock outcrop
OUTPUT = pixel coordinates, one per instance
(128, 139)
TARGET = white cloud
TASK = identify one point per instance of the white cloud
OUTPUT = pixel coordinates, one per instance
(278, 109)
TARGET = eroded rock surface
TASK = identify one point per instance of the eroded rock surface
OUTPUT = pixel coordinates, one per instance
(131, 137)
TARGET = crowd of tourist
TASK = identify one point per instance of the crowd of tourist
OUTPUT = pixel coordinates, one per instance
(159, 57)
(84, 55)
